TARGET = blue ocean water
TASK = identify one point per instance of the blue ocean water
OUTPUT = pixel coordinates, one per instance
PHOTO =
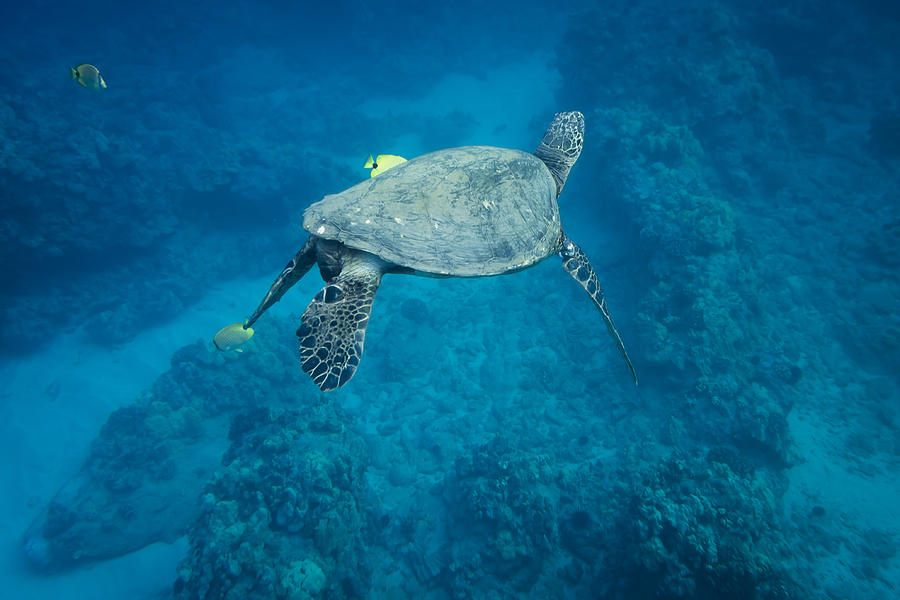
(737, 195)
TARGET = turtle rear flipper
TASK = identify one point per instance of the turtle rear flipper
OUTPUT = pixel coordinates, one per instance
(576, 263)
(333, 331)
(291, 274)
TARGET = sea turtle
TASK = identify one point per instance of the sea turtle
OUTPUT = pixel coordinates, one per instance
(472, 211)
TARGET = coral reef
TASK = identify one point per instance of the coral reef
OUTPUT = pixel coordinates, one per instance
(285, 518)
(694, 528)
(515, 523)
(502, 506)
(727, 147)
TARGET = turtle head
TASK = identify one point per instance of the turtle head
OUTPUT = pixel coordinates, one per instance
(562, 145)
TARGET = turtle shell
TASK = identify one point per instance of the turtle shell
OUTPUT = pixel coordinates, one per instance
(465, 212)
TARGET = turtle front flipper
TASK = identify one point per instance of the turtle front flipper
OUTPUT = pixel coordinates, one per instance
(291, 274)
(576, 263)
(334, 327)
(562, 146)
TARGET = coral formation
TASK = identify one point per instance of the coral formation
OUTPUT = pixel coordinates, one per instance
(285, 518)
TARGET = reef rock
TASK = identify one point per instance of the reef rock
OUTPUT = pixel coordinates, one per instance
(151, 460)
(286, 519)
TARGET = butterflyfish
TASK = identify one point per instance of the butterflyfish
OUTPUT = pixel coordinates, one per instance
(231, 337)
(88, 76)
(382, 163)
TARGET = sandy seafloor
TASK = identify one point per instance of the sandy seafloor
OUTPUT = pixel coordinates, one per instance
(796, 276)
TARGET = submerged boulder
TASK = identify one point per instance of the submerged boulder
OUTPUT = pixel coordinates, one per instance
(148, 465)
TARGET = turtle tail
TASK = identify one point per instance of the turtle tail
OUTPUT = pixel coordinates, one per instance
(562, 145)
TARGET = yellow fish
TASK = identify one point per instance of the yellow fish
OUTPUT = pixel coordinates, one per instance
(88, 76)
(382, 163)
(231, 337)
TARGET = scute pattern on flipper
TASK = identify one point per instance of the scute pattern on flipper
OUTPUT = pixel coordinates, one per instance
(333, 331)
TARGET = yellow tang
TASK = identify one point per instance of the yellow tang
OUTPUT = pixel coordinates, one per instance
(382, 163)
(88, 76)
(231, 337)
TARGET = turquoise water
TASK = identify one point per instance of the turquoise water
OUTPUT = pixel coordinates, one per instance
(737, 196)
